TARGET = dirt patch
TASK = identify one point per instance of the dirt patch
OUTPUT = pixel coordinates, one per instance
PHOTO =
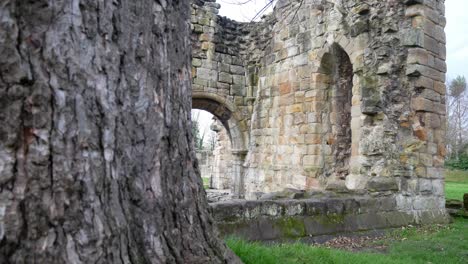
(357, 243)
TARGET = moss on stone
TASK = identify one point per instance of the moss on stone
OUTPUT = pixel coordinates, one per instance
(331, 219)
(291, 227)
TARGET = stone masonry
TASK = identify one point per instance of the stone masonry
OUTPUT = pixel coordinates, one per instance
(222, 159)
(329, 95)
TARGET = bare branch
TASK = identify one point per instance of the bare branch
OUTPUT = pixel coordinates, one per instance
(237, 2)
(259, 13)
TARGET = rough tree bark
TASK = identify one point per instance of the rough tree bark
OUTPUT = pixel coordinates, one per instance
(96, 162)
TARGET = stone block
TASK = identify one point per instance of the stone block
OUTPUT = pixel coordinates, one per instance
(292, 51)
(224, 86)
(404, 202)
(440, 65)
(425, 186)
(431, 95)
(225, 77)
(424, 82)
(417, 56)
(423, 11)
(438, 187)
(432, 44)
(413, 37)
(205, 37)
(356, 181)
(237, 90)
(313, 139)
(425, 203)
(432, 120)
(238, 79)
(435, 173)
(207, 46)
(312, 160)
(425, 159)
(299, 118)
(209, 64)
(200, 82)
(207, 74)
(440, 87)
(416, 70)
(285, 88)
(314, 149)
(235, 69)
(223, 67)
(336, 185)
(422, 104)
(312, 128)
(314, 118)
(380, 183)
(197, 29)
(295, 108)
(320, 78)
(196, 62)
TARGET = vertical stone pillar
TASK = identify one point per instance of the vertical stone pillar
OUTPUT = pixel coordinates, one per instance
(425, 69)
(237, 183)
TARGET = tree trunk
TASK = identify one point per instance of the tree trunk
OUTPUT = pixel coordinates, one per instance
(96, 159)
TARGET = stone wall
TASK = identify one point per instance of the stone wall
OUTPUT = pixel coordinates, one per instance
(205, 163)
(222, 159)
(328, 95)
(322, 214)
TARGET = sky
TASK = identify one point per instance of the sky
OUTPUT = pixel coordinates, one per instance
(456, 30)
(457, 37)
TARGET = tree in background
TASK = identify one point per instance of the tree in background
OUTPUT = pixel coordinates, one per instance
(457, 119)
(212, 136)
(198, 137)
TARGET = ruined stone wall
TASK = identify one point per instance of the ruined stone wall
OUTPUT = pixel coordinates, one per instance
(222, 159)
(311, 216)
(396, 104)
(338, 95)
(225, 65)
(218, 69)
(205, 162)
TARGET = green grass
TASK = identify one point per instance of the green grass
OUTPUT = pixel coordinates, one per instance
(206, 182)
(456, 184)
(428, 245)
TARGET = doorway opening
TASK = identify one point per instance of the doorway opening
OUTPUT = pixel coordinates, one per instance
(213, 149)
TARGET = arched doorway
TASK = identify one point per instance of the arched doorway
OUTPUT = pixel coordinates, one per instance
(226, 115)
(338, 117)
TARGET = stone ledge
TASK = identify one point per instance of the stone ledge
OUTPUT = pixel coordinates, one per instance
(271, 220)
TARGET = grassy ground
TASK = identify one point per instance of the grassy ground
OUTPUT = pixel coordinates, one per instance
(415, 245)
(456, 184)
(206, 182)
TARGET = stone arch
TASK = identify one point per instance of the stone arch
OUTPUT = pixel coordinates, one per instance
(342, 118)
(227, 114)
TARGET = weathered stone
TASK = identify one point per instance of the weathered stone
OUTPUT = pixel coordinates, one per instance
(382, 184)
(317, 216)
(225, 77)
(207, 74)
(320, 107)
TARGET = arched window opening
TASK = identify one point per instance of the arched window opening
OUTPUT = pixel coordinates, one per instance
(337, 65)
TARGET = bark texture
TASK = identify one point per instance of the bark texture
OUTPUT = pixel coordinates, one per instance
(96, 161)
